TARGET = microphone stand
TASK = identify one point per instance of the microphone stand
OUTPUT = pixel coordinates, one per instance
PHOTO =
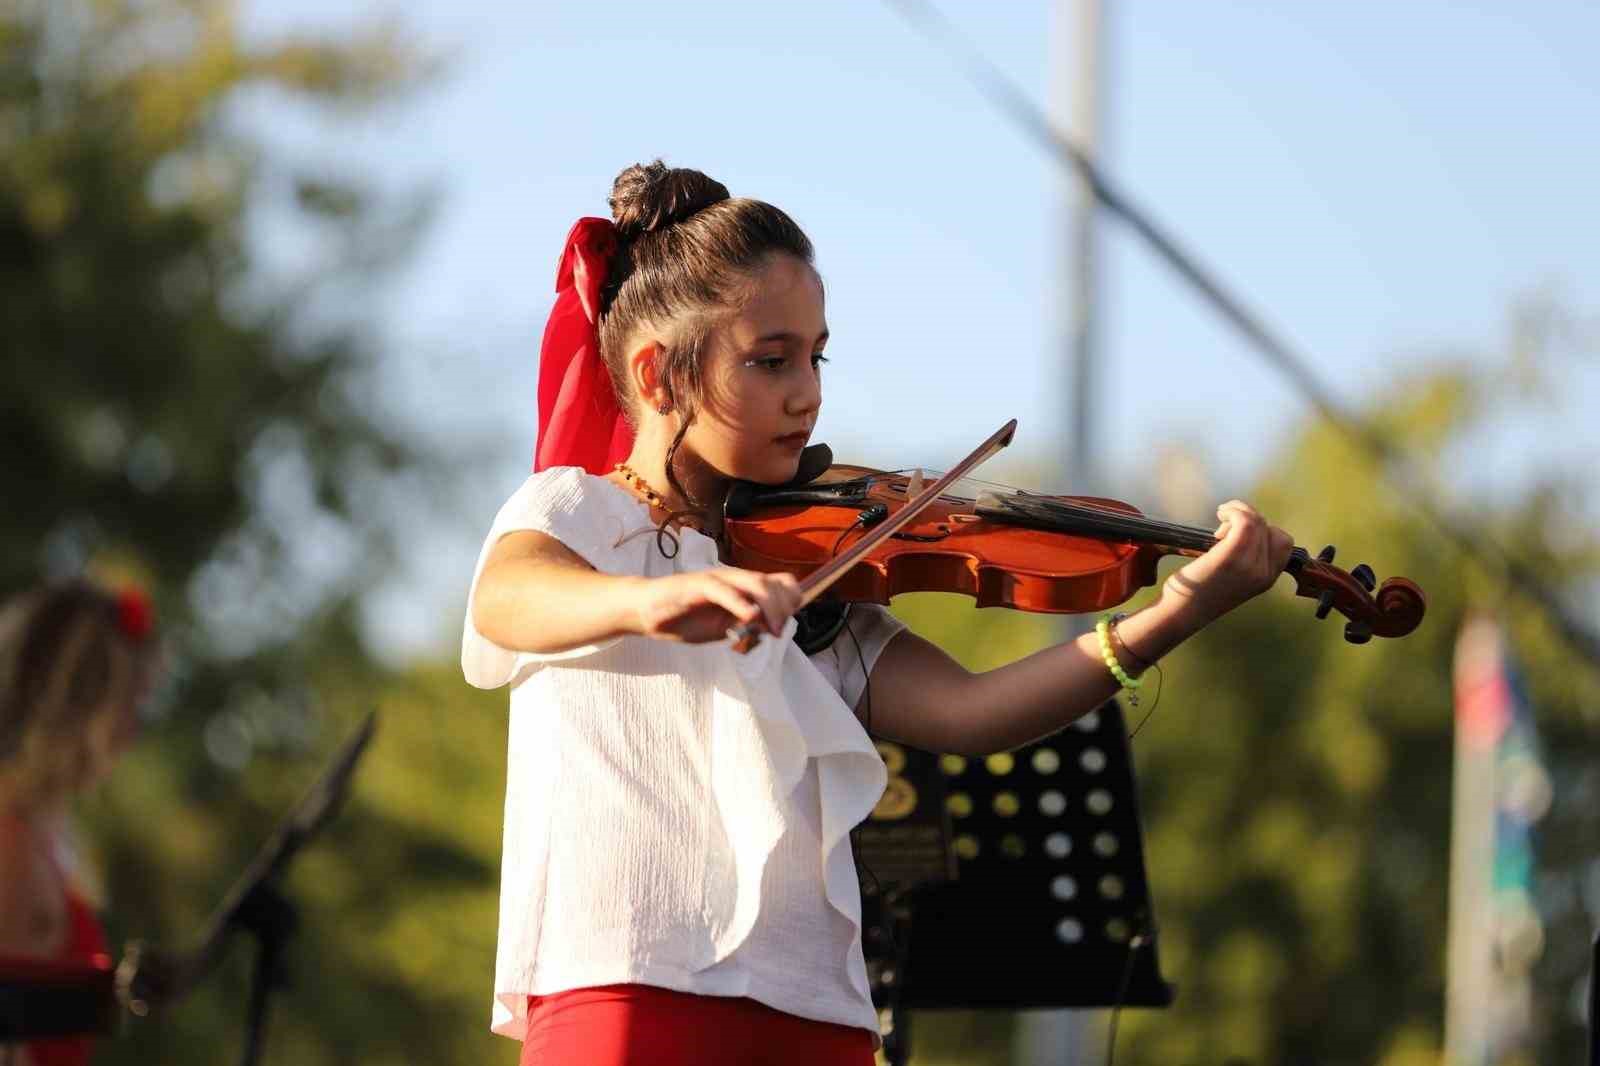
(255, 905)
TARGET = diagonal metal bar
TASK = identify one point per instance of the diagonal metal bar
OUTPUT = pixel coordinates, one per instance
(1392, 462)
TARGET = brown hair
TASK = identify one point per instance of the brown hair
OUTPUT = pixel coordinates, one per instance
(68, 662)
(687, 253)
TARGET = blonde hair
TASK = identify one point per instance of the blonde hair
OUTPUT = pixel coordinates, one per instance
(71, 667)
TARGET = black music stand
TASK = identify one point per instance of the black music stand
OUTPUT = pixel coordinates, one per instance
(1050, 906)
(254, 905)
(903, 846)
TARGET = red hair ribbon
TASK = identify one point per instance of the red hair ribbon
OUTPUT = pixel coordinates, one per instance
(580, 421)
(135, 616)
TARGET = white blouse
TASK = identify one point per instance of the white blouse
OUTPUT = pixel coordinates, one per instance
(677, 814)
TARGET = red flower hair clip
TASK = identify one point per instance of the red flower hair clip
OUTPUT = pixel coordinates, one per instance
(135, 615)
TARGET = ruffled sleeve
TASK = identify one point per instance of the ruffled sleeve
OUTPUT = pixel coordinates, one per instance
(848, 661)
(561, 502)
(773, 712)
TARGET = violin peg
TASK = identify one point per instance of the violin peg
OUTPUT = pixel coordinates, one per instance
(1365, 577)
(1326, 554)
(1324, 603)
(1357, 632)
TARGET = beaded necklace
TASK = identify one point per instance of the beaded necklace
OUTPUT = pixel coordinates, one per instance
(642, 487)
(688, 516)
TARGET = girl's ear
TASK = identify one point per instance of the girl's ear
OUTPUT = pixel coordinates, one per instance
(644, 374)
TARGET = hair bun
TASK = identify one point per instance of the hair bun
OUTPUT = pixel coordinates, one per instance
(652, 196)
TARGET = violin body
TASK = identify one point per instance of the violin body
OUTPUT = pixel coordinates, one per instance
(1050, 554)
(946, 548)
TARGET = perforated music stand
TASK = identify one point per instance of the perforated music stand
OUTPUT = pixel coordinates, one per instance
(902, 848)
(1050, 906)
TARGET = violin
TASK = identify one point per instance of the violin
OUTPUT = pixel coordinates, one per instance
(1007, 547)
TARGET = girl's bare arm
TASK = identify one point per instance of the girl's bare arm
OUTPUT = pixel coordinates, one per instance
(536, 594)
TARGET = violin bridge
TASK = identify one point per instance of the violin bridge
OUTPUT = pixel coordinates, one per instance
(914, 485)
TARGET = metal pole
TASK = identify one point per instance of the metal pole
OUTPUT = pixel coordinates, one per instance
(1084, 278)
(1055, 1037)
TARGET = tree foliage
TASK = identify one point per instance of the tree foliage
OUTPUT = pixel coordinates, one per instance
(161, 398)
(176, 412)
(1296, 790)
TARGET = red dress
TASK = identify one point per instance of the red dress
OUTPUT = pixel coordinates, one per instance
(87, 940)
(642, 1025)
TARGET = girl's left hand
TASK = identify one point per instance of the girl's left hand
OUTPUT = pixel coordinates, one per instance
(1247, 559)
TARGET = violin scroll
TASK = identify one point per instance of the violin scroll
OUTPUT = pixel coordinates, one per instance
(1395, 609)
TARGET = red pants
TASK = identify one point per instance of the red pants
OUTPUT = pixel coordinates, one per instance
(635, 1025)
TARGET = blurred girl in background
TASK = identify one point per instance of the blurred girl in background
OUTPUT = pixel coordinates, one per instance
(76, 662)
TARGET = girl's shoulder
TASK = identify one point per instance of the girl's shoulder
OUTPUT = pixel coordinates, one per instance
(576, 495)
(593, 516)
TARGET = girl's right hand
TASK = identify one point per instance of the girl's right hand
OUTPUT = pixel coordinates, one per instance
(701, 606)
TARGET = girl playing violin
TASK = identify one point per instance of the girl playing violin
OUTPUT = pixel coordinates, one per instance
(677, 883)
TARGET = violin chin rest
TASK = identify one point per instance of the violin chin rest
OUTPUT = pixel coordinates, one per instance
(814, 462)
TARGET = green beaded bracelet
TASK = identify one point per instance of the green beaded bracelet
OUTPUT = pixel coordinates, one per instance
(1102, 629)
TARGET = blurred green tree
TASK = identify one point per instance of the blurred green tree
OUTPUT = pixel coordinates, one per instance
(397, 897)
(173, 410)
(168, 401)
(1296, 791)
(186, 396)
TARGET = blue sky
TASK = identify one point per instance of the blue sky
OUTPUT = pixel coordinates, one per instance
(1377, 181)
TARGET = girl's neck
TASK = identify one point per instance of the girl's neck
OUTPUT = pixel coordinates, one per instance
(706, 488)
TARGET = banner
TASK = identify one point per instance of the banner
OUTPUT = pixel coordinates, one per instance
(1500, 791)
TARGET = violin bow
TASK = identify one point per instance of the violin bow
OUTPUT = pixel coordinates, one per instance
(746, 636)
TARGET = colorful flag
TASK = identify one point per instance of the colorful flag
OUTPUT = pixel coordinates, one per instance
(1501, 790)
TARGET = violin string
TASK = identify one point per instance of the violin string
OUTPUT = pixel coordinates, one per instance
(1133, 522)
(1011, 495)
(1054, 509)
(1136, 521)
(1187, 536)
(1108, 520)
